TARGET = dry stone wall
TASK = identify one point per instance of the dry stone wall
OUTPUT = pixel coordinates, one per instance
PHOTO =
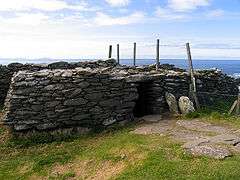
(6, 72)
(213, 85)
(52, 99)
(91, 95)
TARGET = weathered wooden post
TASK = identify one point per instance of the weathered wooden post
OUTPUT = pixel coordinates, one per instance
(233, 107)
(193, 89)
(134, 54)
(238, 102)
(158, 55)
(110, 52)
(118, 52)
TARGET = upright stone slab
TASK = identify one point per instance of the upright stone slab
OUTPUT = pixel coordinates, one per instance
(172, 103)
(186, 105)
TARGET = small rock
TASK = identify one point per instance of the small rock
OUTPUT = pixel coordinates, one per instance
(46, 126)
(75, 102)
(81, 117)
(83, 84)
(42, 73)
(21, 127)
(52, 104)
(108, 122)
(67, 74)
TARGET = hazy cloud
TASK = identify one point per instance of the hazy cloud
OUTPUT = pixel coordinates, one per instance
(168, 14)
(215, 13)
(106, 20)
(186, 5)
(44, 5)
(118, 3)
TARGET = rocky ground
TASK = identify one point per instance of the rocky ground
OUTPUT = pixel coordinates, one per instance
(199, 138)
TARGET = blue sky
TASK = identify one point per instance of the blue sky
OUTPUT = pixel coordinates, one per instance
(85, 28)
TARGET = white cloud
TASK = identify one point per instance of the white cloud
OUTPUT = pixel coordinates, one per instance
(186, 5)
(106, 20)
(26, 19)
(35, 34)
(45, 5)
(168, 14)
(216, 13)
(118, 3)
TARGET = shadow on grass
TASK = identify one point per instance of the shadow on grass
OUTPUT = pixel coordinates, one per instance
(47, 138)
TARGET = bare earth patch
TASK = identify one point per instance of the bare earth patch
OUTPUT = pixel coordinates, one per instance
(199, 138)
(89, 169)
(99, 169)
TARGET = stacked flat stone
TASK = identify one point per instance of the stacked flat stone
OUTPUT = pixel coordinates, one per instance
(6, 72)
(213, 85)
(177, 84)
(51, 99)
(156, 97)
(97, 93)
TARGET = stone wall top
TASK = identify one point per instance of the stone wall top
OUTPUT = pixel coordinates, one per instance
(60, 65)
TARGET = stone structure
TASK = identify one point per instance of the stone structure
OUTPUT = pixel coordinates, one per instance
(6, 72)
(97, 94)
(51, 99)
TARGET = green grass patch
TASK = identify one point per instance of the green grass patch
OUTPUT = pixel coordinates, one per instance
(171, 162)
(144, 157)
(113, 154)
(216, 113)
(2, 130)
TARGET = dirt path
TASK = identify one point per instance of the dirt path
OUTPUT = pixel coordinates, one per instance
(198, 137)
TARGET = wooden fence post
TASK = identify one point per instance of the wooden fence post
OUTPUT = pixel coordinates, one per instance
(118, 52)
(134, 54)
(238, 102)
(158, 55)
(193, 89)
(110, 52)
(233, 107)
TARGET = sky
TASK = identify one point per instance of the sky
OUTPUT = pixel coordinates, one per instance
(83, 29)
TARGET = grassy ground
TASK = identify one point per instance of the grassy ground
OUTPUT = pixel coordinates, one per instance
(217, 113)
(109, 155)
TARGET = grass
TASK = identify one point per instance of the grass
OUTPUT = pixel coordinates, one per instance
(112, 155)
(217, 113)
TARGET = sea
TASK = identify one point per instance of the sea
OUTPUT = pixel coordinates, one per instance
(230, 67)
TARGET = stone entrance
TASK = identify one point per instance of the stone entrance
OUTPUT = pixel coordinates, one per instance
(143, 103)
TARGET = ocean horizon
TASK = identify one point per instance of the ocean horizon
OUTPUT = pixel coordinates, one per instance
(230, 67)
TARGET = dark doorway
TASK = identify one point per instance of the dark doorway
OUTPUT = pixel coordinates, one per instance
(142, 106)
